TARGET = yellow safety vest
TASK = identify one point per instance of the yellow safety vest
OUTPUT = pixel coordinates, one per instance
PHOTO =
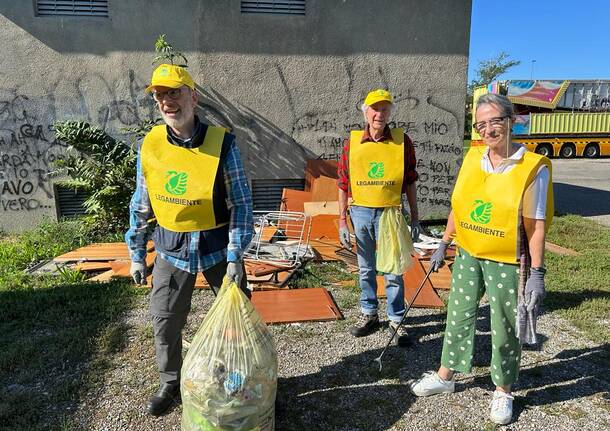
(180, 181)
(486, 205)
(376, 170)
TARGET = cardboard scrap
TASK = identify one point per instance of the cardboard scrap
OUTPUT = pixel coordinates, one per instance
(323, 207)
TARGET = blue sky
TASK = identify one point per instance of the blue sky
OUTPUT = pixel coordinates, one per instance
(568, 39)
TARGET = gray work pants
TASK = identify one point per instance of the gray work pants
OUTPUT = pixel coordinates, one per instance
(170, 303)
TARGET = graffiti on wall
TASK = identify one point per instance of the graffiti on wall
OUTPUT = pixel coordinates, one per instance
(28, 148)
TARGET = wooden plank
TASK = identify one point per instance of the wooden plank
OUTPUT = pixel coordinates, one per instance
(292, 200)
(92, 266)
(103, 277)
(427, 298)
(316, 168)
(557, 249)
(99, 252)
(296, 305)
(324, 189)
(440, 279)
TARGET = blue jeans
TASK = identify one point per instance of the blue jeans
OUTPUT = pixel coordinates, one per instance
(366, 227)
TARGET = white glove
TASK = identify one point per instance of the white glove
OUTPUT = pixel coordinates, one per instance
(138, 272)
(235, 272)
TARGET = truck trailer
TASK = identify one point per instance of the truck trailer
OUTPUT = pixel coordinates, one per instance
(556, 118)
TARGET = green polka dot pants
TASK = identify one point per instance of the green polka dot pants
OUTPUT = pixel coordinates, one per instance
(471, 277)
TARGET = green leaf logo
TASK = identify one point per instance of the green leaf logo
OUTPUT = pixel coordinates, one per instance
(176, 184)
(376, 170)
(481, 212)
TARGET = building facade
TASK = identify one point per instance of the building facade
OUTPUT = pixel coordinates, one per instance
(287, 77)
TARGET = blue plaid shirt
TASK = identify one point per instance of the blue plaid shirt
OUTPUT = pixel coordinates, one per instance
(239, 202)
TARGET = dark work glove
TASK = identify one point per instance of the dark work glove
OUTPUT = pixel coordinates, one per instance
(344, 235)
(415, 230)
(437, 260)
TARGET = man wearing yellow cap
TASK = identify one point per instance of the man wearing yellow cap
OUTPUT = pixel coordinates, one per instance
(376, 167)
(191, 179)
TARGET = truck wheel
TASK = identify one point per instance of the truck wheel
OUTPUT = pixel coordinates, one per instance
(591, 151)
(567, 151)
(544, 150)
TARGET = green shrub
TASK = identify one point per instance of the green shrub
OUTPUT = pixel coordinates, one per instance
(101, 166)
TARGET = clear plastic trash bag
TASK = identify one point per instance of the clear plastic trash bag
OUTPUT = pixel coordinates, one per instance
(229, 375)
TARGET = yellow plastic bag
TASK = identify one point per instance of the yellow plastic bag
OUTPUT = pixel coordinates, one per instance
(394, 245)
(229, 375)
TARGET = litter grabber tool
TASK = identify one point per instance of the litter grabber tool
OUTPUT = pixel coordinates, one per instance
(378, 359)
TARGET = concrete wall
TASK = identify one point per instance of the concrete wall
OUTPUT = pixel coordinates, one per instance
(288, 86)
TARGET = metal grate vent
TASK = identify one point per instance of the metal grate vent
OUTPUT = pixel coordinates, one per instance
(275, 7)
(72, 8)
(267, 194)
(69, 203)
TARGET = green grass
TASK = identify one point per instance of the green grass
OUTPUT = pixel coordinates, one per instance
(58, 333)
(578, 287)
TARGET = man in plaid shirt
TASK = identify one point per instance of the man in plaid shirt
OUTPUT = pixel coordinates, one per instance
(191, 179)
(376, 168)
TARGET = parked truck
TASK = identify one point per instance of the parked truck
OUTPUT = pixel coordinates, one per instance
(557, 118)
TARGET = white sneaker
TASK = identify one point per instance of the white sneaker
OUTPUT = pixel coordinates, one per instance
(431, 384)
(501, 408)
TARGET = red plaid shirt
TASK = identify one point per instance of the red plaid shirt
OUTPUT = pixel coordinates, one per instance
(410, 174)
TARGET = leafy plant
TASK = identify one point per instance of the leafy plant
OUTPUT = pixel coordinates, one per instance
(101, 166)
(167, 53)
(69, 275)
(141, 129)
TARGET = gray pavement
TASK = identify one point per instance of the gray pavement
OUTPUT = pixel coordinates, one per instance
(582, 186)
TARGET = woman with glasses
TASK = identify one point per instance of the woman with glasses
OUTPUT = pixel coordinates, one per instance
(502, 205)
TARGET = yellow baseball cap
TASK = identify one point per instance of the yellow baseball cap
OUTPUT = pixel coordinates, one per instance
(171, 76)
(378, 95)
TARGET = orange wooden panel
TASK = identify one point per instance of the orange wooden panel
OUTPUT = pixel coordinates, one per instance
(296, 305)
(99, 251)
(427, 298)
(292, 200)
(315, 168)
(324, 226)
(324, 189)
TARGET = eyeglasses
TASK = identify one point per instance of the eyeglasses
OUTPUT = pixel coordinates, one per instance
(173, 94)
(495, 123)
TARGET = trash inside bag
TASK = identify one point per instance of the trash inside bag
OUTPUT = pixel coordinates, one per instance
(394, 246)
(229, 375)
